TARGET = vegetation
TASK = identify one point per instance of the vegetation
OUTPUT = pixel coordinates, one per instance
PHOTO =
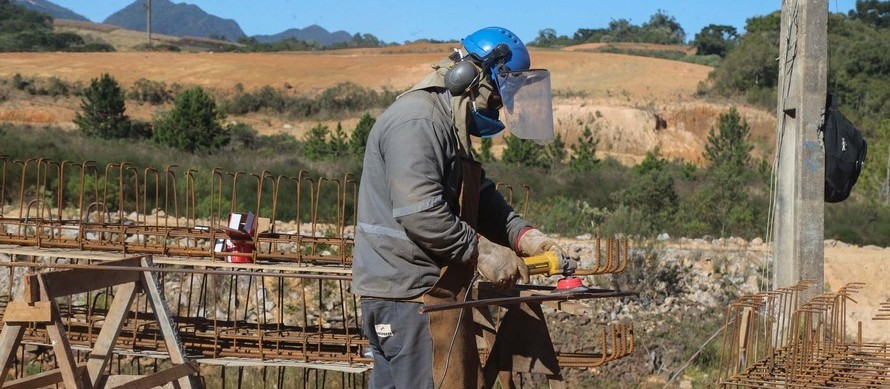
(334, 102)
(102, 110)
(25, 30)
(250, 44)
(661, 28)
(194, 123)
(859, 51)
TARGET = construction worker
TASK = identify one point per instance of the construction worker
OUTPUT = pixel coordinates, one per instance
(424, 203)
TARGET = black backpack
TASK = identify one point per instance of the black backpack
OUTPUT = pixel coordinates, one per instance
(844, 153)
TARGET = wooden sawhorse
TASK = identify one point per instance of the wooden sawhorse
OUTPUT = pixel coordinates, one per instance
(39, 306)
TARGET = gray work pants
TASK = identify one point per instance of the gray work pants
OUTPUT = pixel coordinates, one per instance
(401, 344)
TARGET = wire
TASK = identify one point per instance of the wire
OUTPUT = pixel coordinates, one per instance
(457, 327)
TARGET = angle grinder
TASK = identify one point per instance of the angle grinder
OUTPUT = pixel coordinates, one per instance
(556, 262)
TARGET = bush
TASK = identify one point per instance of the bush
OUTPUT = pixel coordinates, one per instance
(194, 123)
(157, 47)
(151, 92)
(242, 136)
(102, 110)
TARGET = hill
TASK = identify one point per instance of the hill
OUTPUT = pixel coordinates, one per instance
(56, 11)
(313, 33)
(631, 103)
(176, 19)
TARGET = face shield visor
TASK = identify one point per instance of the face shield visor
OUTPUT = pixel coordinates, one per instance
(527, 104)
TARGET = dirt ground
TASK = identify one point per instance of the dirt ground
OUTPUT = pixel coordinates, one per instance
(846, 264)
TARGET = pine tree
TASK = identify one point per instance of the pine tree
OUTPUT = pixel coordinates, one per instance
(359, 138)
(102, 110)
(316, 144)
(730, 146)
(524, 152)
(556, 151)
(485, 154)
(339, 146)
(729, 173)
(194, 123)
(584, 152)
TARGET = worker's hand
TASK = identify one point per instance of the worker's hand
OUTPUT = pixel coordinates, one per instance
(534, 242)
(500, 265)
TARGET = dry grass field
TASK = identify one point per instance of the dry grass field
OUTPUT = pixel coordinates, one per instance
(631, 103)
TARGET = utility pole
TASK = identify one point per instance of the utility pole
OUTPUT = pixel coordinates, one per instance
(800, 209)
(148, 20)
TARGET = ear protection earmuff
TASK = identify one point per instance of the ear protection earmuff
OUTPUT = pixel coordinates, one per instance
(461, 76)
(467, 70)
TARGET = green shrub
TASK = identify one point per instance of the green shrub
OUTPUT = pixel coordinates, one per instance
(242, 136)
(194, 123)
(150, 92)
(157, 47)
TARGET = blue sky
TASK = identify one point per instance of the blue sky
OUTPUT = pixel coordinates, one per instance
(403, 20)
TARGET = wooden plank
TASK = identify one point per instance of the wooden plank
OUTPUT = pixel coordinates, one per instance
(114, 320)
(343, 367)
(32, 289)
(165, 321)
(40, 380)
(10, 338)
(162, 377)
(172, 260)
(67, 282)
(61, 346)
(22, 312)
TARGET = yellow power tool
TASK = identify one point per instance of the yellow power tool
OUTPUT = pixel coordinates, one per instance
(555, 262)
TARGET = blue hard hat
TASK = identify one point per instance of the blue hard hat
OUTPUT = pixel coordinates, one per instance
(485, 40)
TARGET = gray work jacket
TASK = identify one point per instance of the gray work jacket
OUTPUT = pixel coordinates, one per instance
(407, 225)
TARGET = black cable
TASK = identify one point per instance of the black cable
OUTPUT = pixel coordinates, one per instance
(456, 327)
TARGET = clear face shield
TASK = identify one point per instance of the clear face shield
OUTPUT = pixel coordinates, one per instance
(528, 104)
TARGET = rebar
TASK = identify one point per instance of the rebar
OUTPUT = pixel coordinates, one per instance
(771, 342)
(292, 305)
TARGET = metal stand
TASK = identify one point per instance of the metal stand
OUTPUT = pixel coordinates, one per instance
(39, 307)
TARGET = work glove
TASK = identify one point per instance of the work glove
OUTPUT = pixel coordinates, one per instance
(533, 242)
(500, 265)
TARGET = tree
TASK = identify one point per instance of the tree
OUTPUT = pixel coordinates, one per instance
(194, 123)
(729, 147)
(316, 144)
(359, 138)
(584, 152)
(485, 154)
(524, 152)
(339, 146)
(873, 12)
(715, 39)
(652, 191)
(556, 151)
(102, 110)
(726, 193)
(546, 38)
(663, 29)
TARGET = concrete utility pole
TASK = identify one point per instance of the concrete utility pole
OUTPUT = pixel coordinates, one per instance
(800, 209)
(148, 19)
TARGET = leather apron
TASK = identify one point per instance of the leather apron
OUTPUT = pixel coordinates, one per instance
(461, 357)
